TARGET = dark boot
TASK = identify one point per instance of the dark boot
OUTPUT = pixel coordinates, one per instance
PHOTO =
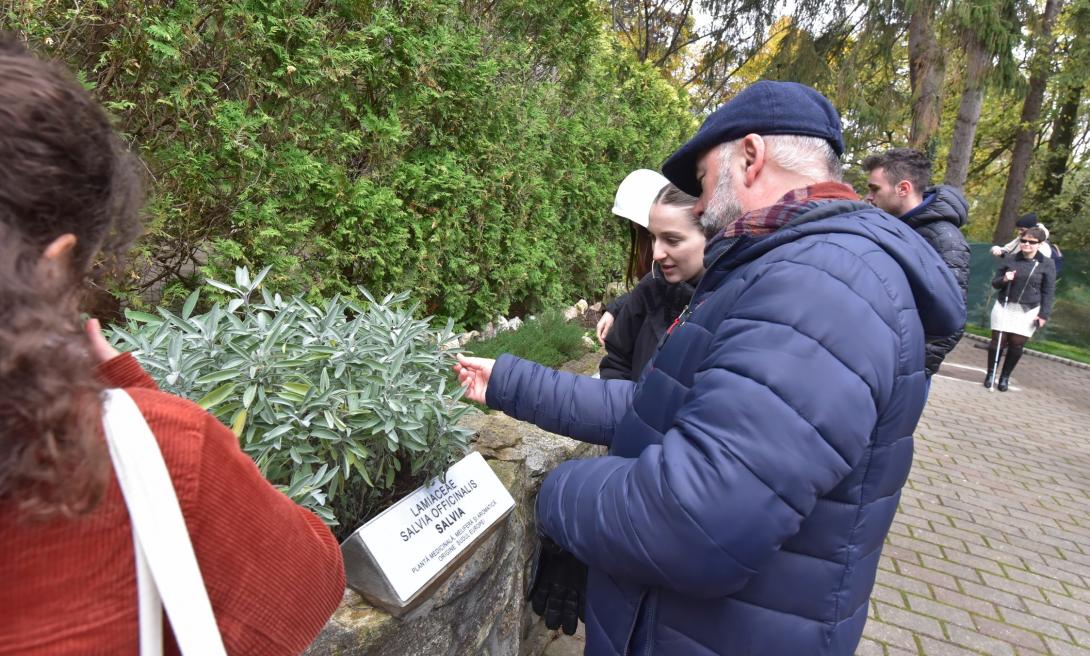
(1014, 354)
(990, 378)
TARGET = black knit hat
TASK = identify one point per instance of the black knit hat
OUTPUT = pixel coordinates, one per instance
(1027, 221)
(764, 108)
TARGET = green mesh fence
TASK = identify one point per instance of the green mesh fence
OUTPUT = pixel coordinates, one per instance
(1070, 321)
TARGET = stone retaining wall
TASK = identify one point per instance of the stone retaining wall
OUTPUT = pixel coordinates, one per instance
(480, 609)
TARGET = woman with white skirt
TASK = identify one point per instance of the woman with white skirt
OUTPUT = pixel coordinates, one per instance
(1027, 284)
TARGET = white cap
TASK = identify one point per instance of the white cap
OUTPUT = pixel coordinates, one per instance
(636, 194)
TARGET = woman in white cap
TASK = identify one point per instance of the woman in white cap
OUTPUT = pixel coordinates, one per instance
(633, 201)
(675, 243)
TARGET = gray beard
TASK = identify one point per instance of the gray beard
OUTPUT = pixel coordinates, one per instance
(724, 207)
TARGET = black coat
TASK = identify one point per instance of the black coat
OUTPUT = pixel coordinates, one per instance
(639, 324)
(938, 220)
(1025, 289)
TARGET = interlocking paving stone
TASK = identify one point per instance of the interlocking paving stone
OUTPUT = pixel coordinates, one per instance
(965, 602)
(1038, 625)
(915, 622)
(940, 611)
(978, 641)
(889, 634)
(934, 577)
(1076, 607)
(1023, 590)
(1058, 648)
(889, 596)
(1081, 637)
(932, 647)
(870, 648)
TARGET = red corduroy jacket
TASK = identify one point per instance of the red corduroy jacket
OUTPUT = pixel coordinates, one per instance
(273, 571)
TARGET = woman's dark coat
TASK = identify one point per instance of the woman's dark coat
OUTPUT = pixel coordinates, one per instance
(641, 321)
(1026, 289)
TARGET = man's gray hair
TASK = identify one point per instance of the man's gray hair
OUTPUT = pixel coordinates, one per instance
(809, 157)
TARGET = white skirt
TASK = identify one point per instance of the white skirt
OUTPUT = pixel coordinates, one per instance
(1014, 318)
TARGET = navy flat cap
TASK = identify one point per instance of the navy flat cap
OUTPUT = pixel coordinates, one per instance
(763, 108)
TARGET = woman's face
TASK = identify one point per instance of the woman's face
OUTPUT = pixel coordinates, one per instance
(678, 243)
(1028, 245)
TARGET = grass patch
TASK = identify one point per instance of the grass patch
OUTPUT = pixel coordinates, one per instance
(1071, 352)
(974, 329)
(548, 340)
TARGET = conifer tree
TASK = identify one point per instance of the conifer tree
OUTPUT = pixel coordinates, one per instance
(989, 32)
(1040, 70)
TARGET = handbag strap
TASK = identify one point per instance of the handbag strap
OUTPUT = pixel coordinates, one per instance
(164, 554)
(150, 606)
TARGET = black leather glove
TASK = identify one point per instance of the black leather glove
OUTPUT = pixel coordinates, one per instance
(558, 587)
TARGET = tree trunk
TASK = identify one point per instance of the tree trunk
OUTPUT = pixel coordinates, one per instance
(1027, 130)
(1059, 145)
(925, 71)
(977, 62)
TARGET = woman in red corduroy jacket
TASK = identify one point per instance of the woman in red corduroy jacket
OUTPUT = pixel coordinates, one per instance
(69, 203)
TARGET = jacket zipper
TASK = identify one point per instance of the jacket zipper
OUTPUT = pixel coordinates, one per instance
(648, 628)
(635, 621)
(651, 624)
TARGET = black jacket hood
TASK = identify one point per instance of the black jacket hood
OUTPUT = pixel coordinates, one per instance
(941, 203)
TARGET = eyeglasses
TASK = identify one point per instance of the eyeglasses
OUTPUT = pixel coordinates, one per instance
(1029, 241)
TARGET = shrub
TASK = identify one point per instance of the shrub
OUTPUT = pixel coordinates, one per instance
(548, 340)
(342, 405)
(468, 151)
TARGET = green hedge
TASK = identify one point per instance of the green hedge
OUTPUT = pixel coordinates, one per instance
(466, 151)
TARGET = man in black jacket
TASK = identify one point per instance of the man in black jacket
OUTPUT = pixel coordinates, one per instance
(898, 183)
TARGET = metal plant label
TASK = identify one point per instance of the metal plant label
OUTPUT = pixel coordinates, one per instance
(413, 542)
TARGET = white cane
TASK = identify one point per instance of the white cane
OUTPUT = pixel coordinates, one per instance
(999, 341)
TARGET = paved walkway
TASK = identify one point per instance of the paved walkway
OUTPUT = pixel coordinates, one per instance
(990, 552)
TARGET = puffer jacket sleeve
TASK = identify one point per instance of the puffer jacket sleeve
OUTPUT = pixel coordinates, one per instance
(955, 252)
(938, 349)
(1048, 287)
(780, 411)
(576, 406)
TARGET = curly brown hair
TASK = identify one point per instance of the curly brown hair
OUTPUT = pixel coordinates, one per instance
(63, 170)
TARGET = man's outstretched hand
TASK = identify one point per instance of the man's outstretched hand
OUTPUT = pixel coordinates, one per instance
(473, 374)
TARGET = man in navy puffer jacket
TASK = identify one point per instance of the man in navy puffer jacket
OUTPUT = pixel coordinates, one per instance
(755, 467)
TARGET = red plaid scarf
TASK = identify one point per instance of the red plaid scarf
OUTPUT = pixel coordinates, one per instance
(794, 203)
